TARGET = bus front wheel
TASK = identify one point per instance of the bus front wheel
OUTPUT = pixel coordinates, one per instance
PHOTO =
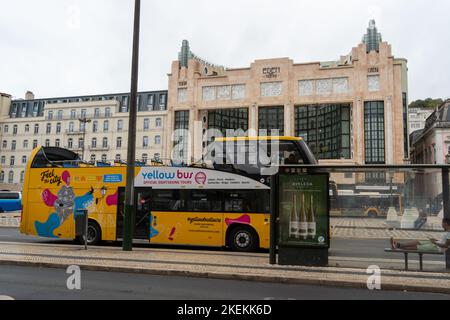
(243, 238)
(94, 234)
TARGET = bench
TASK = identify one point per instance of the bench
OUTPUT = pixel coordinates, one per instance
(406, 252)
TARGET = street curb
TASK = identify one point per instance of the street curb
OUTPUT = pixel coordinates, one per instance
(227, 276)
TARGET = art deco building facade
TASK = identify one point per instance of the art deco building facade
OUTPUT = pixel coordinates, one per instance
(26, 124)
(350, 111)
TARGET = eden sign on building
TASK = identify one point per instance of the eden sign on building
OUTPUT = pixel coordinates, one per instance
(271, 72)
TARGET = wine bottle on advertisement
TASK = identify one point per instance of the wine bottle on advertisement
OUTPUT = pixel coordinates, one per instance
(303, 224)
(293, 222)
(312, 226)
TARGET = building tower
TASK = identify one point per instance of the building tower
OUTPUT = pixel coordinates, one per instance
(372, 38)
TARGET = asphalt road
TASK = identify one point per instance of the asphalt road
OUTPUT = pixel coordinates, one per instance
(358, 248)
(33, 283)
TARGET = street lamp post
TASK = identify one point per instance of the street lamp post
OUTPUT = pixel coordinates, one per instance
(83, 121)
(130, 207)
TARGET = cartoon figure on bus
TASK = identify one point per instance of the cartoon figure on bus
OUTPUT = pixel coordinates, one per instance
(65, 203)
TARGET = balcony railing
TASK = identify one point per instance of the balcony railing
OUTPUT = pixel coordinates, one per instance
(98, 148)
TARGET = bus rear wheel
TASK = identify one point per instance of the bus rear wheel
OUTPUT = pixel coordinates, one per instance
(243, 238)
(94, 234)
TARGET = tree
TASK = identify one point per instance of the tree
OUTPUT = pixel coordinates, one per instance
(428, 103)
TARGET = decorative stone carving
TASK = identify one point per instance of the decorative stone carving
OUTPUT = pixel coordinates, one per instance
(373, 83)
(238, 91)
(324, 86)
(209, 93)
(182, 95)
(340, 85)
(306, 87)
(223, 92)
(271, 89)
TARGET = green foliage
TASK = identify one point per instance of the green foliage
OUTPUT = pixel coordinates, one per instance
(428, 103)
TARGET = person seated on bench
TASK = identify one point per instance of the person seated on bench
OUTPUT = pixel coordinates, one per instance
(431, 245)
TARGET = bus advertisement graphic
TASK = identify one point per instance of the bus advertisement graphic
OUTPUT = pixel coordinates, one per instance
(304, 210)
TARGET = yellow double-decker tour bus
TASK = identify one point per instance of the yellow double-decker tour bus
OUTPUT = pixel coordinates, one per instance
(174, 205)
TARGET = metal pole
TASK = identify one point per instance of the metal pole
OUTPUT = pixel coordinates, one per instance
(273, 220)
(130, 208)
(446, 205)
(86, 229)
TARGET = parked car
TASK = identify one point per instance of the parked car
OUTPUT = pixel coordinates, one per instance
(10, 201)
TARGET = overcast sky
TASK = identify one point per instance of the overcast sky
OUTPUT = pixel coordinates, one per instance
(79, 47)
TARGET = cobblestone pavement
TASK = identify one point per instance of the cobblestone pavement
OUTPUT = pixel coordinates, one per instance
(213, 264)
(365, 228)
(9, 220)
(345, 228)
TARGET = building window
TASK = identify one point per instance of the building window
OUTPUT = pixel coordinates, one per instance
(48, 128)
(24, 159)
(71, 126)
(271, 89)
(25, 144)
(5, 128)
(223, 119)
(73, 114)
(94, 143)
(181, 127)
(12, 161)
(105, 142)
(82, 126)
(60, 114)
(119, 125)
(158, 123)
(50, 115)
(146, 124)
(144, 157)
(182, 95)
(108, 112)
(36, 129)
(157, 157)
(373, 83)
(3, 160)
(5, 144)
(57, 143)
(124, 105)
(22, 176)
(270, 118)
(405, 126)
(35, 144)
(80, 143)
(83, 114)
(58, 127)
(15, 129)
(70, 143)
(11, 177)
(145, 141)
(104, 158)
(105, 126)
(326, 129)
(374, 132)
(119, 142)
(13, 145)
(96, 112)
(2, 176)
(162, 101)
(150, 102)
(47, 142)
(93, 157)
(157, 140)
(27, 128)
(95, 126)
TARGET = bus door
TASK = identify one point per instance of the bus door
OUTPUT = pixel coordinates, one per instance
(142, 200)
